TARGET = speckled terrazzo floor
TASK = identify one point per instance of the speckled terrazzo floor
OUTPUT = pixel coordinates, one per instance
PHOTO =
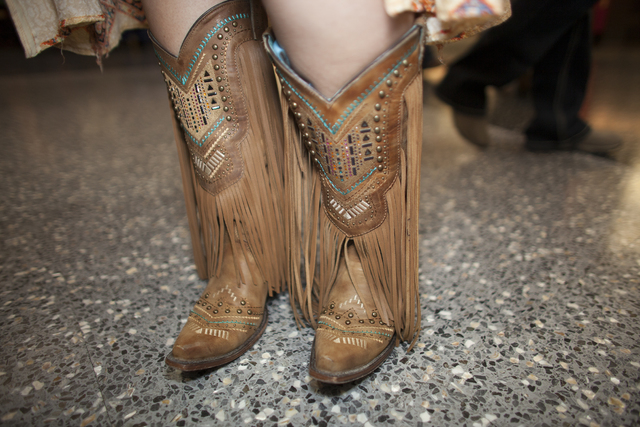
(530, 273)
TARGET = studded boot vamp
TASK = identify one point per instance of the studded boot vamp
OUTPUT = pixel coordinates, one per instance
(350, 341)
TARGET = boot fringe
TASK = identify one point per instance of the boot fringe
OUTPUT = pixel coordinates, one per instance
(389, 253)
(250, 209)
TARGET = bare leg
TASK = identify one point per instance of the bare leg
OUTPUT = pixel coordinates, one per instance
(170, 20)
(331, 41)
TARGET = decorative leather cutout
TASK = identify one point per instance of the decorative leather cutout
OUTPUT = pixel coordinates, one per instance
(355, 138)
(207, 94)
(198, 110)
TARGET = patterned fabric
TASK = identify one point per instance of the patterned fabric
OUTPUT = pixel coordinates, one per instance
(94, 27)
(451, 20)
(86, 27)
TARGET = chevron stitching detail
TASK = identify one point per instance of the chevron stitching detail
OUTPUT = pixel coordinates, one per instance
(210, 167)
(232, 322)
(350, 213)
(353, 299)
(353, 187)
(213, 332)
(351, 341)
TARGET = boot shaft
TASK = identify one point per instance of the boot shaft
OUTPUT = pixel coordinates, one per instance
(207, 93)
(355, 137)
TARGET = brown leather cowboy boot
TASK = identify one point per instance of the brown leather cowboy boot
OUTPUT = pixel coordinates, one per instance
(229, 136)
(354, 201)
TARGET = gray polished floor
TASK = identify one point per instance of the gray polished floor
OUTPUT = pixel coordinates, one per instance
(530, 271)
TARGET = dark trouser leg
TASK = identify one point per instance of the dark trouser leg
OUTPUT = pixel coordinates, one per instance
(559, 85)
(508, 50)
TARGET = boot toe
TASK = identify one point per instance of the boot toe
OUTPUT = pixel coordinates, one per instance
(200, 347)
(190, 346)
(342, 360)
(343, 357)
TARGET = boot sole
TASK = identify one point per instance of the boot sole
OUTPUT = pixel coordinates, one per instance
(353, 374)
(212, 362)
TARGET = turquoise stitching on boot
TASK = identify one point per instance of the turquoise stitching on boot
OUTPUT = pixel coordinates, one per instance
(201, 46)
(230, 321)
(199, 143)
(355, 332)
(352, 187)
(351, 108)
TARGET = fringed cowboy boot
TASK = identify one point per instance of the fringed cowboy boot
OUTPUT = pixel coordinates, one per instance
(353, 199)
(228, 130)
